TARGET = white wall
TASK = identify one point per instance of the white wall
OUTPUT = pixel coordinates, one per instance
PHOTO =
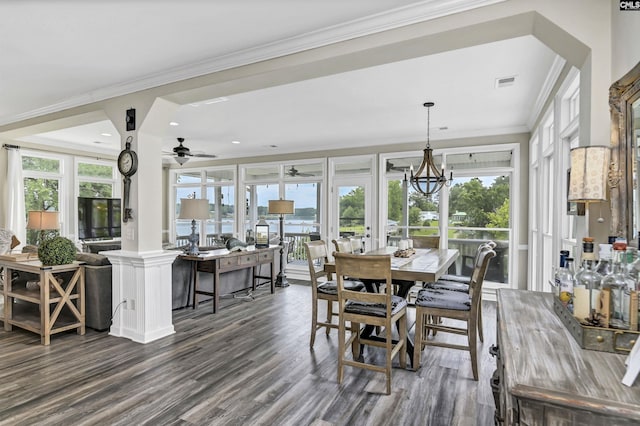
(625, 40)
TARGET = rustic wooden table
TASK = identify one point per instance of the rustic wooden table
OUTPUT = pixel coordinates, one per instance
(53, 308)
(546, 378)
(222, 260)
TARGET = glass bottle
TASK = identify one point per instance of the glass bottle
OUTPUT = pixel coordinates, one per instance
(633, 262)
(633, 274)
(559, 270)
(565, 278)
(617, 283)
(604, 264)
(589, 280)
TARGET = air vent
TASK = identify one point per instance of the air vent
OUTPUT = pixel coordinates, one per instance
(505, 81)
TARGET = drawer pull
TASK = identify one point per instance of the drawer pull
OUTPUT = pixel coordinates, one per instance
(615, 342)
(600, 339)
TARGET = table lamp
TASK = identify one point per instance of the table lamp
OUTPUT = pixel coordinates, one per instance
(42, 220)
(194, 209)
(281, 207)
(588, 178)
(262, 234)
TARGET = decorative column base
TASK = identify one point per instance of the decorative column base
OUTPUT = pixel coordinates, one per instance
(143, 282)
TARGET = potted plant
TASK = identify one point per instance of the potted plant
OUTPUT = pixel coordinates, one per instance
(57, 251)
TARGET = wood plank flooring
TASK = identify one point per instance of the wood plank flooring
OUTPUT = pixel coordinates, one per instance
(250, 364)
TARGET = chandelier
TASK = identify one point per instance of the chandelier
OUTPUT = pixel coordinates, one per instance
(428, 179)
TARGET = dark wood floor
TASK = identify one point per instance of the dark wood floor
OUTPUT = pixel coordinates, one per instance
(250, 364)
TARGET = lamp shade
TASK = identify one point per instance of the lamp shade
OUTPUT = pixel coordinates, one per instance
(589, 170)
(194, 209)
(280, 207)
(41, 219)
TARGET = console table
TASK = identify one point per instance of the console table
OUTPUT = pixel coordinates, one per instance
(53, 308)
(222, 260)
(546, 378)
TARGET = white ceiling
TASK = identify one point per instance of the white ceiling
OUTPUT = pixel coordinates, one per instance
(67, 53)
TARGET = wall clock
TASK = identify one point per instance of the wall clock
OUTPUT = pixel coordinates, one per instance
(128, 165)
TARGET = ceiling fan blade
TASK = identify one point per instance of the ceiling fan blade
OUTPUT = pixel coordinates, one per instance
(202, 155)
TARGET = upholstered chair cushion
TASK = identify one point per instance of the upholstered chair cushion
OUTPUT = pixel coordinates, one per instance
(447, 285)
(456, 278)
(375, 309)
(331, 287)
(444, 299)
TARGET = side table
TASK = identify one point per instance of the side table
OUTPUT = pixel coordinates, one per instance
(53, 308)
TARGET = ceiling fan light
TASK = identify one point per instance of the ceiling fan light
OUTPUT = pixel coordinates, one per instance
(182, 160)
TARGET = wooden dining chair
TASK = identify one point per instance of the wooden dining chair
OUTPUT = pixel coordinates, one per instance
(356, 245)
(456, 305)
(426, 241)
(342, 245)
(323, 287)
(461, 283)
(464, 278)
(374, 309)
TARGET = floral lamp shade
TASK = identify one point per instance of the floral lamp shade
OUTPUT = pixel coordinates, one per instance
(589, 170)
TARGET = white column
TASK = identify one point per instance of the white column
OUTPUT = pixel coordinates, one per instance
(143, 282)
(142, 270)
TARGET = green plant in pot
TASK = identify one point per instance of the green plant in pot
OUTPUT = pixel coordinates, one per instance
(57, 251)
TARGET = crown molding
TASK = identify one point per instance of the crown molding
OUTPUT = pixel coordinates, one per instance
(395, 18)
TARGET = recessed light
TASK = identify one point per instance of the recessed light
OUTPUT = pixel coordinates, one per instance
(235, 142)
(105, 134)
(210, 101)
(173, 123)
(216, 100)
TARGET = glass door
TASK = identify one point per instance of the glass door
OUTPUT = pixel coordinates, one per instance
(351, 209)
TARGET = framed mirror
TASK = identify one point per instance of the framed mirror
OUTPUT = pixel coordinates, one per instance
(624, 104)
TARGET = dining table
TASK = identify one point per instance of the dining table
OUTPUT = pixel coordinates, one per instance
(407, 268)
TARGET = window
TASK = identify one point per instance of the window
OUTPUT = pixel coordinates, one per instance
(551, 228)
(476, 207)
(48, 185)
(217, 185)
(42, 186)
(301, 183)
(480, 208)
(96, 179)
(418, 215)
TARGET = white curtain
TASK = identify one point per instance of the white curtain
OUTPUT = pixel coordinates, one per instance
(15, 214)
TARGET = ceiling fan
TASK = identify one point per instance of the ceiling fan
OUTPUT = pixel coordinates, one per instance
(182, 153)
(293, 172)
(391, 167)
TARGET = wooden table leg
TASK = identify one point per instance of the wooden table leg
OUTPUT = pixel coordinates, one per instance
(216, 285)
(45, 318)
(273, 275)
(8, 301)
(81, 294)
(194, 271)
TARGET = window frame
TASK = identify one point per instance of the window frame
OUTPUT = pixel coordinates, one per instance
(514, 193)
